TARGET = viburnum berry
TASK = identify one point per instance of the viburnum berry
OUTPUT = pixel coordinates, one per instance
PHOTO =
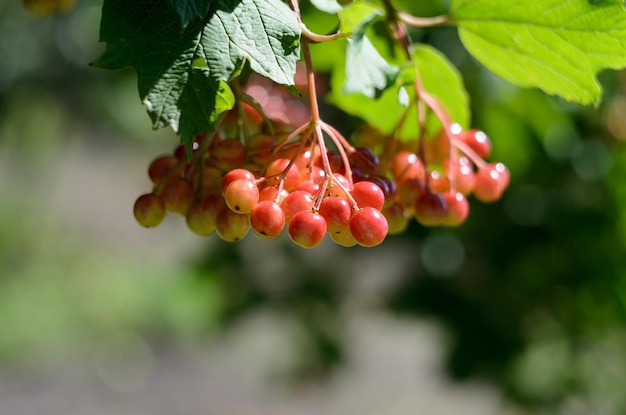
(236, 174)
(267, 219)
(277, 174)
(160, 167)
(177, 195)
(149, 210)
(295, 202)
(196, 219)
(406, 165)
(430, 209)
(490, 182)
(307, 229)
(368, 227)
(232, 226)
(277, 171)
(241, 195)
(272, 193)
(367, 193)
(457, 209)
(337, 213)
(464, 176)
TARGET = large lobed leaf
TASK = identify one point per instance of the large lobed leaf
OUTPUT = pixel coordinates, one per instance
(183, 70)
(556, 45)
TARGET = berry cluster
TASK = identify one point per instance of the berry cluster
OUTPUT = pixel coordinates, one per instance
(229, 187)
(266, 167)
(435, 193)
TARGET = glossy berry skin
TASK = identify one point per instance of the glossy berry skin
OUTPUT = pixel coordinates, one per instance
(490, 182)
(477, 141)
(149, 210)
(267, 219)
(406, 165)
(295, 202)
(337, 213)
(307, 229)
(458, 209)
(367, 193)
(241, 195)
(277, 168)
(368, 227)
(271, 193)
(236, 174)
(231, 226)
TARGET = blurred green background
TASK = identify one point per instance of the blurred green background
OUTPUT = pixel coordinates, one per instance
(522, 310)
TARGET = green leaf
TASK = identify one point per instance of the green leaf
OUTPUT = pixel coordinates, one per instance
(188, 10)
(182, 72)
(202, 101)
(328, 6)
(356, 16)
(556, 45)
(439, 78)
(366, 71)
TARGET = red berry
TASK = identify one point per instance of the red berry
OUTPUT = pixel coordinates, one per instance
(271, 193)
(464, 176)
(458, 209)
(231, 226)
(309, 186)
(177, 195)
(196, 219)
(334, 189)
(149, 210)
(491, 182)
(337, 213)
(367, 193)
(277, 168)
(241, 196)
(236, 174)
(161, 166)
(368, 227)
(477, 141)
(430, 209)
(406, 165)
(267, 219)
(307, 229)
(295, 202)
(438, 182)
